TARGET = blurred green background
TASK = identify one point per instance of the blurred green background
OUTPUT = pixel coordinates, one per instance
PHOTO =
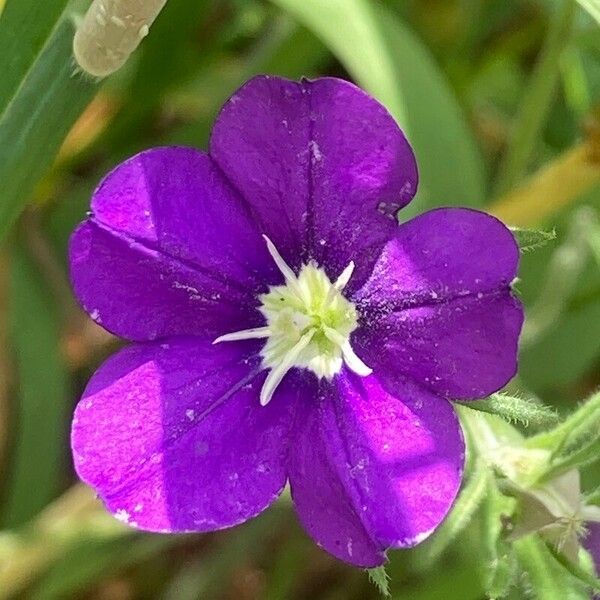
(501, 100)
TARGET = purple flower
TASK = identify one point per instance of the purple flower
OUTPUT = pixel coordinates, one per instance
(342, 336)
(592, 543)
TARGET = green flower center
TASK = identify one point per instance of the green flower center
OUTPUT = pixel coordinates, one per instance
(309, 322)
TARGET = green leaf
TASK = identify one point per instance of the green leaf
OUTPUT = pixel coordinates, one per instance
(516, 410)
(36, 120)
(43, 398)
(24, 28)
(546, 578)
(381, 580)
(575, 571)
(532, 239)
(592, 6)
(583, 424)
(390, 62)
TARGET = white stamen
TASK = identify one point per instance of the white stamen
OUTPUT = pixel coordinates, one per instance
(285, 269)
(340, 283)
(344, 278)
(353, 362)
(334, 336)
(308, 325)
(278, 373)
(244, 334)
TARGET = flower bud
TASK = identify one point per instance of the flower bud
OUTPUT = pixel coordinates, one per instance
(110, 31)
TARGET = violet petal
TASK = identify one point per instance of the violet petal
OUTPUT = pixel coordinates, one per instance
(323, 167)
(438, 307)
(592, 543)
(172, 437)
(169, 250)
(374, 466)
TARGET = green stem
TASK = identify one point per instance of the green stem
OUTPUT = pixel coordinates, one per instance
(574, 427)
(515, 410)
(576, 571)
(537, 100)
(546, 581)
(579, 458)
(593, 497)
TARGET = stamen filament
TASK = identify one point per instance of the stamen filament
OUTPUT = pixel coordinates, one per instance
(285, 269)
(340, 283)
(353, 362)
(276, 374)
(245, 334)
(334, 336)
(344, 278)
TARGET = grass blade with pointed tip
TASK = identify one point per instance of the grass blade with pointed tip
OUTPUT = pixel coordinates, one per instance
(43, 395)
(24, 28)
(36, 120)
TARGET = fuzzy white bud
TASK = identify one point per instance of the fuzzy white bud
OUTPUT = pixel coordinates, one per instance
(110, 31)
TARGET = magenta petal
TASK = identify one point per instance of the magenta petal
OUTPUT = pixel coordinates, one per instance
(592, 543)
(169, 250)
(438, 307)
(374, 466)
(173, 438)
(323, 167)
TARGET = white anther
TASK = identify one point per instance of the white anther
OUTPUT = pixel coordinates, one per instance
(244, 334)
(353, 362)
(342, 281)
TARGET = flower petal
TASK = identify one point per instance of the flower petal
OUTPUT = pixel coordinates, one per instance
(438, 306)
(374, 465)
(173, 438)
(323, 167)
(592, 543)
(169, 250)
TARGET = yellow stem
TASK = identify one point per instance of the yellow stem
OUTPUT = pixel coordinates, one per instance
(552, 188)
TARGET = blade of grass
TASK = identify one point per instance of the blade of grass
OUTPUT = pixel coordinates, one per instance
(24, 28)
(42, 398)
(36, 121)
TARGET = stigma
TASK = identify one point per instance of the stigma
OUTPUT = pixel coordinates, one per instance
(308, 325)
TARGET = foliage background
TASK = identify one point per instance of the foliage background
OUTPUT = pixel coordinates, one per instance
(501, 100)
